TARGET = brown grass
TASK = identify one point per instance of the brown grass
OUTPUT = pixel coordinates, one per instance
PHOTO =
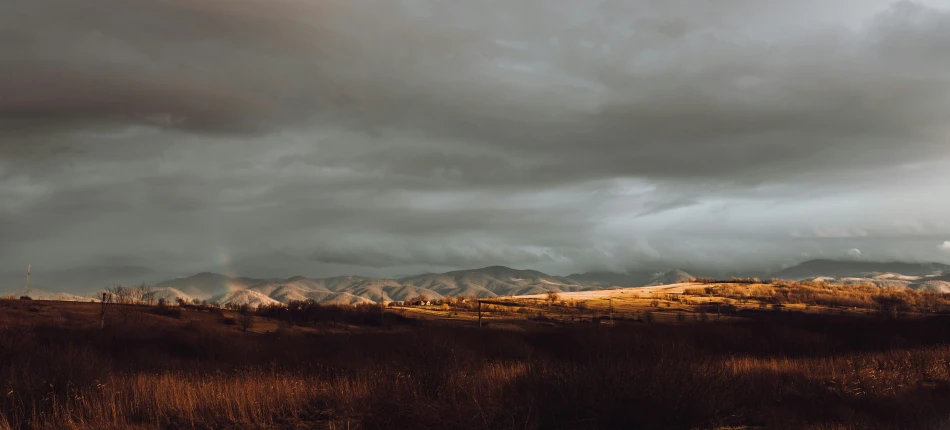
(778, 370)
(869, 297)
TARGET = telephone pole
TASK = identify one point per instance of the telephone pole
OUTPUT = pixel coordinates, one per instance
(479, 314)
(28, 267)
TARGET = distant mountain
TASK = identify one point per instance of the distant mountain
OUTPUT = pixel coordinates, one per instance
(857, 269)
(936, 283)
(42, 294)
(671, 277)
(614, 279)
(494, 281)
(630, 279)
(490, 281)
(207, 285)
(244, 297)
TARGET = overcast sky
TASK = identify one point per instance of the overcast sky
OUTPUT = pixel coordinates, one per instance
(144, 139)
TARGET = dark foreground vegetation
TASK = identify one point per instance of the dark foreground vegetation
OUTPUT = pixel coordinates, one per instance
(194, 369)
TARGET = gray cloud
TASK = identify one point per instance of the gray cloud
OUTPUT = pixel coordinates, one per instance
(381, 137)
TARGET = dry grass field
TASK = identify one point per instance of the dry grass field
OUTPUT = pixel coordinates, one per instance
(883, 361)
(690, 302)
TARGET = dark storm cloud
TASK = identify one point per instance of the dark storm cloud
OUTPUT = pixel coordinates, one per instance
(582, 101)
(387, 134)
(375, 254)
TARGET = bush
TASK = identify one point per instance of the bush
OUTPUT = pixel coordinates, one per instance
(26, 298)
(310, 313)
(167, 311)
(246, 320)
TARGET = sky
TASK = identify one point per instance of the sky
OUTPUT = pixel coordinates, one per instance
(147, 139)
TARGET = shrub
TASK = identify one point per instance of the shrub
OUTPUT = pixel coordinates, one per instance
(26, 298)
(167, 311)
(246, 320)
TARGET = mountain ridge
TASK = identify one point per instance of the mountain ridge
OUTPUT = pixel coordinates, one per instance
(851, 268)
(496, 281)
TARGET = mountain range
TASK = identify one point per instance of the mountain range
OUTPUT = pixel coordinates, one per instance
(495, 281)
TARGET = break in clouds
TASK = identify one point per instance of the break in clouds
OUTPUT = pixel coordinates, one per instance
(143, 139)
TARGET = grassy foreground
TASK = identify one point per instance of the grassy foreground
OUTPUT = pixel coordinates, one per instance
(344, 368)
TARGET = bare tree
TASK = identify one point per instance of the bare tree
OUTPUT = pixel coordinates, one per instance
(553, 296)
(123, 295)
(146, 294)
(247, 318)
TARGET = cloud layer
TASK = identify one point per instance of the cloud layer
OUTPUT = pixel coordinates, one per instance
(383, 137)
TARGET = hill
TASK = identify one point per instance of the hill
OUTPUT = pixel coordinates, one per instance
(935, 283)
(614, 279)
(494, 281)
(207, 285)
(630, 279)
(244, 297)
(501, 281)
(857, 269)
(42, 294)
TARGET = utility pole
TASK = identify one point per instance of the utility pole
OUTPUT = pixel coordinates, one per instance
(479, 314)
(28, 267)
(102, 311)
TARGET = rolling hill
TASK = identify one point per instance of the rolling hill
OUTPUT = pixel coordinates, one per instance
(857, 269)
(207, 285)
(498, 281)
(495, 281)
(630, 279)
(43, 294)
